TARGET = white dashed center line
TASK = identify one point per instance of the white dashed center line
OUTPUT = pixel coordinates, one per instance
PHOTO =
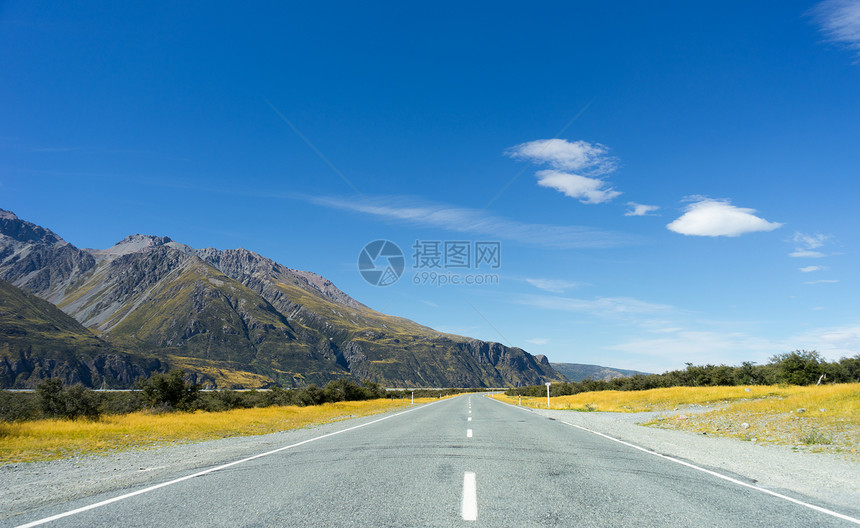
(468, 433)
(470, 419)
(470, 497)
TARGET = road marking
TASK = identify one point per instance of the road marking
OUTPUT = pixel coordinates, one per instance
(470, 419)
(217, 468)
(709, 472)
(468, 433)
(470, 411)
(470, 497)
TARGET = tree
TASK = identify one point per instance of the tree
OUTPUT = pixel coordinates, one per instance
(800, 367)
(170, 392)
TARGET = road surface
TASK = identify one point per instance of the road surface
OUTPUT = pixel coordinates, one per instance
(465, 461)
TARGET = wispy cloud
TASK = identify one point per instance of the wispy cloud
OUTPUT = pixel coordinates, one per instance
(478, 222)
(839, 20)
(713, 218)
(822, 281)
(553, 285)
(637, 209)
(587, 158)
(806, 245)
(538, 341)
(578, 167)
(601, 306)
(808, 269)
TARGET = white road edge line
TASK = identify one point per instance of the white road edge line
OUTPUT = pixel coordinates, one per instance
(468, 433)
(708, 471)
(212, 470)
(470, 497)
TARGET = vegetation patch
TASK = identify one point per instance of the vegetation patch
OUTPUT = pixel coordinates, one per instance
(50, 439)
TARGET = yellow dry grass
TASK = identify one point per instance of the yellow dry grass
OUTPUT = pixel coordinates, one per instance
(53, 439)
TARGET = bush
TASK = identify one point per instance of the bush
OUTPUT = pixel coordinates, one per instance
(55, 401)
(170, 392)
(17, 406)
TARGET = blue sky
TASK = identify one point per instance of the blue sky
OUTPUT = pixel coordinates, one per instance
(667, 183)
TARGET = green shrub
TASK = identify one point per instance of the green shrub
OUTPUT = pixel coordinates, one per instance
(56, 401)
(169, 392)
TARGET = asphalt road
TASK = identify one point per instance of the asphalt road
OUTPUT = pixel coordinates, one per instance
(466, 461)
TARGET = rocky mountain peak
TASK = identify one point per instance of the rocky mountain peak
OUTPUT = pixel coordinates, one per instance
(26, 232)
(137, 243)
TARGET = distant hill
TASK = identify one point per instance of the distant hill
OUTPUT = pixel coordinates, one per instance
(234, 318)
(579, 372)
(37, 340)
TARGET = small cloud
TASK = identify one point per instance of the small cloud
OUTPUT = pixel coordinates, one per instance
(586, 190)
(552, 285)
(840, 21)
(822, 281)
(807, 244)
(428, 303)
(808, 269)
(709, 217)
(802, 253)
(577, 167)
(810, 241)
(581, 156)
(638, 209)
(538, 341)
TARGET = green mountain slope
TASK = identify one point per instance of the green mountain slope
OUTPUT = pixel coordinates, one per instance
(39, 341)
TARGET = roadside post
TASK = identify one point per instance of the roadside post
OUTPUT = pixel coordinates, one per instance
(547, 394)
(413, 397)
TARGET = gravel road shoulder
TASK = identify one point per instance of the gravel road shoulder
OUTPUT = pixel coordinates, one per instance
(825, 477)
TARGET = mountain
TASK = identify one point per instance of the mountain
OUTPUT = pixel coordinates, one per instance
(579, 372)
(236, 318)
(37, 341)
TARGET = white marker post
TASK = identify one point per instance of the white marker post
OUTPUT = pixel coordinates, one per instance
(547, 394)
(413, 397)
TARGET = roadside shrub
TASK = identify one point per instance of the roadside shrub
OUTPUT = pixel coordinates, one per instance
(17, 406)
(120, 402)
(55, 401)
(169, 392)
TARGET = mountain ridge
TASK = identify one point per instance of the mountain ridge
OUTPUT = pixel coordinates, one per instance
(235, 313)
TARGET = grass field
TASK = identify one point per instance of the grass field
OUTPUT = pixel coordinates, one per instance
(821, 418)
(52, 439)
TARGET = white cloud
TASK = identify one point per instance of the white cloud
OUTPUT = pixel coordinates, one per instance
(807, 244)
(810, 241)
(602, 306)
(552, 285)
(822, 281)
(586, 190)
(802, 253)
(840, 21)
(538, 341)
(478, 222)
(708, 217)
(577, 167)
(700, 347)
(580, 156)
(638, 209)
(807, 269)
